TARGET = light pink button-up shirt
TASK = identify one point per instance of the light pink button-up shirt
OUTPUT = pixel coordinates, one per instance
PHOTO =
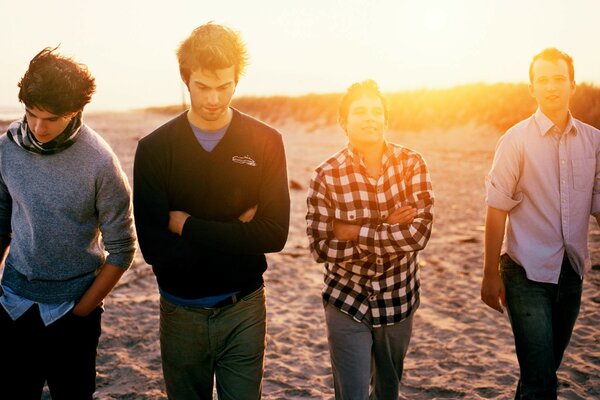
(549, 182)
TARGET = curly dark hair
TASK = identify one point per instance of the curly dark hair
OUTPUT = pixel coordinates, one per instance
(356, 91)
(56, 84)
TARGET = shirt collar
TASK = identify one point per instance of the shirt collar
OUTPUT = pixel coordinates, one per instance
(545, 124)
(357, 158)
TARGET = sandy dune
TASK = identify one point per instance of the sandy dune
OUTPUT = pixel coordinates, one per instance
(460, 349)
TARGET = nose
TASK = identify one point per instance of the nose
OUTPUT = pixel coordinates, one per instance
(213, 97)
(39, 126)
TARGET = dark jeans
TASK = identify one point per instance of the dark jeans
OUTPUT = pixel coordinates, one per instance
(542, 316)
(62, 354)
(225, 345)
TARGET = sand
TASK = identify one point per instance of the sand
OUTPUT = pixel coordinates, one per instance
(460, 348)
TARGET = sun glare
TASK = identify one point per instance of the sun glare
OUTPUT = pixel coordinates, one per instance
(435, 20)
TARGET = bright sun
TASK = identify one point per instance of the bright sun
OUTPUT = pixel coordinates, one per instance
(435, 19)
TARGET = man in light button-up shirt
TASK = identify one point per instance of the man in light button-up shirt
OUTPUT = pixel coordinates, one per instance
(545, 179)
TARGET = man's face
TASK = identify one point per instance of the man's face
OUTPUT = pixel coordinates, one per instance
(365, 124)
(551, 87)
(210, 93)
(45, 125)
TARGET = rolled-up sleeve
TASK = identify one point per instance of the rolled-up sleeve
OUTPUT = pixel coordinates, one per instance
(596, 190)
(501, 182)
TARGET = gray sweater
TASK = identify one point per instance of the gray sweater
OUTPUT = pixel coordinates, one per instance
(68, 213)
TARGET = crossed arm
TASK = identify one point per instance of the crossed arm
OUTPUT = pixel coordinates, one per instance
(177, 219)
(345, 231)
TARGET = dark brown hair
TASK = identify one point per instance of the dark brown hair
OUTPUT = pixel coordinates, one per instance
(357, 90)
(56, 84)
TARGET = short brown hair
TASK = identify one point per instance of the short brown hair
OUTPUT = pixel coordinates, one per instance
(356, 91)
(212, 46)
(56, 84)
(553, 54)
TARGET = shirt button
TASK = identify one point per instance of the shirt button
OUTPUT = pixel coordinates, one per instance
(372, 298)
(351, 216)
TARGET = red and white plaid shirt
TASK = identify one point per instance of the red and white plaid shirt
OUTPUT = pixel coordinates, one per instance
(379, 272)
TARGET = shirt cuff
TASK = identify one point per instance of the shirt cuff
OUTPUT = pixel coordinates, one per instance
(363, 237)
(497, 199)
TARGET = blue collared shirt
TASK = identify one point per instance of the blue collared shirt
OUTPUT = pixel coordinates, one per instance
(16, 306)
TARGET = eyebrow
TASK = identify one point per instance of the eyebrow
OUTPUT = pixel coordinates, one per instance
(205, 85)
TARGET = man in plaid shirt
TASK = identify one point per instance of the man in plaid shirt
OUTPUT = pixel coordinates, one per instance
(370, 210)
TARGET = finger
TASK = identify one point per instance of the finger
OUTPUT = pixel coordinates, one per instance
(492, 302)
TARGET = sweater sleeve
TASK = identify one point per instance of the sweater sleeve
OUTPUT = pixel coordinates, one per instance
(5, 208)
(267, 231)
(151, 209)
(113, 203)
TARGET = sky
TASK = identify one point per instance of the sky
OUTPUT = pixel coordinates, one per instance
(298, 47)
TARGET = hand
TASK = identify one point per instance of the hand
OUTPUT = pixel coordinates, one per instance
(492, 291)
(177, 220)
(345, 231)
(80, 311)
(249, 214)
(403, 215)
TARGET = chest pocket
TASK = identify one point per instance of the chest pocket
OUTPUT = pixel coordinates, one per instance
(584, 171)
(355, 216)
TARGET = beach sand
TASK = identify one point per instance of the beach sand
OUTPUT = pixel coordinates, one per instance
(460, 349)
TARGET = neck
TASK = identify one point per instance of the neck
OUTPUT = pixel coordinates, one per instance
(205, 125)
(372, 157)
(558, 118)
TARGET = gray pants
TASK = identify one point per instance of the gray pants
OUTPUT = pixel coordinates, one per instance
(367, 362)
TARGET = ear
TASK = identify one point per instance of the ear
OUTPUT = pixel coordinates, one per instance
(573, 87)
(343, 124)
(531, 89)
(186, 83)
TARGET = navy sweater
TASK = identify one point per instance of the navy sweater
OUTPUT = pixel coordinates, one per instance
(216, 252)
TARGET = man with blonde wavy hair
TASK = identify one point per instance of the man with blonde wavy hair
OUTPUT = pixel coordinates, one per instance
(211, 197)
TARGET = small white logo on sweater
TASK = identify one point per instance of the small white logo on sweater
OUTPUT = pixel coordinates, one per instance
(245, 160)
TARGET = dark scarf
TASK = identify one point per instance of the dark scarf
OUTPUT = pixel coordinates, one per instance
(20, 133)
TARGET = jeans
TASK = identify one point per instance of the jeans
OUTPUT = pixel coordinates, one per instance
(200, 344)
(63, 354)
(542, 317)
(367, 362)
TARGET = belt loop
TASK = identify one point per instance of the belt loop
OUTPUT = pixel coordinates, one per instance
(234, 299)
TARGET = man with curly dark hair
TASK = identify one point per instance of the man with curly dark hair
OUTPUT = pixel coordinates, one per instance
(369, 213)
(66, 230)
